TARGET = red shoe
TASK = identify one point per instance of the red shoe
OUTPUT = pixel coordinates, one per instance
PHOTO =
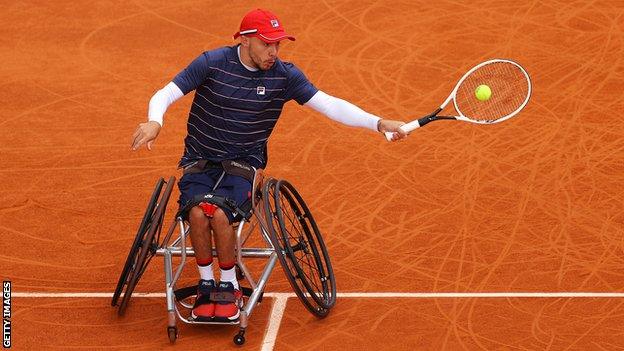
(228, 302)
(204, 307)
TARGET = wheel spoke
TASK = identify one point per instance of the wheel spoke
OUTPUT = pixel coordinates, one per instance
(311, 279)
(300, 247)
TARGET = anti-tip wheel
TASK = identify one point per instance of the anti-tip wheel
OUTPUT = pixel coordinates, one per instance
(172, 332)
(239, 339)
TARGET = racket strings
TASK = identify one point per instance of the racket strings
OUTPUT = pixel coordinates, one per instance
(508, 83)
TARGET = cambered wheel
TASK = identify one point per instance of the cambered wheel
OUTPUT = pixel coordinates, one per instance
(145, 244)
(300, 246)
(138, 240)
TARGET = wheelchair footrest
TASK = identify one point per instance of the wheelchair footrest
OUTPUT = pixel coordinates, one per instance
(192, 321)
(185, 293)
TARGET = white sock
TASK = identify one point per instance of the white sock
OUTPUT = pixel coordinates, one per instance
(206, 272)
(230, 276)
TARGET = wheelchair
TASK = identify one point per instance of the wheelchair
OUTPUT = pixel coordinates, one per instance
(288, 231)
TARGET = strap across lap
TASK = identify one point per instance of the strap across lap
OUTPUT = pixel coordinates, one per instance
(222, 296)
(231, 167)
(220, 201)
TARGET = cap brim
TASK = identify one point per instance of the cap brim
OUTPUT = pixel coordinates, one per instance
(274, 37)
(267, 38)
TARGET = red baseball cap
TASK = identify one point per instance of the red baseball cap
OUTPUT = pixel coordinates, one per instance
(263, 25)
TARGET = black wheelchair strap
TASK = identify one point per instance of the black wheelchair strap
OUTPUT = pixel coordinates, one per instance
(238, 168)
(244, 210)
(201, 166)
(233, 167)
(222, 296)
(185, 293)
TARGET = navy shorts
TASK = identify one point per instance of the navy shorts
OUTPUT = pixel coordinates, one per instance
(231, 186)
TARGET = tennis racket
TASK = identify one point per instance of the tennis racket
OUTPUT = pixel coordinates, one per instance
(510, 88)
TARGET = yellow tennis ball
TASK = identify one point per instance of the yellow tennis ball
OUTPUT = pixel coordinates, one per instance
(483, 92)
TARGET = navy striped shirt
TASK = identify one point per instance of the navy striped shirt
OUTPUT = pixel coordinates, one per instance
(235, 110)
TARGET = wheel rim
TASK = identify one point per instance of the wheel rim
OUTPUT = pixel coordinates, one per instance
(290, 269)
(303, 241)
(136, 244)
(287, 267)
(148, 246)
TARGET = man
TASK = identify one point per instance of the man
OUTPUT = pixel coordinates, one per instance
(240, 92)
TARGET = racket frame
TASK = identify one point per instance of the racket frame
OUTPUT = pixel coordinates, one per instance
(433, 116)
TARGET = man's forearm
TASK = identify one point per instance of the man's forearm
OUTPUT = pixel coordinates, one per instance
(343, 111)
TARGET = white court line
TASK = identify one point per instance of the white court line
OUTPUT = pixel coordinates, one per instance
(279, 306)
(425, 295)
(281, 299)
(454, 295)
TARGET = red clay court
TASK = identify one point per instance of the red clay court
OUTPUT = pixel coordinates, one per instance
(533, 205)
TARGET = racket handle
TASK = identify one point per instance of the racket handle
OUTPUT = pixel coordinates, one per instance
(407, 127)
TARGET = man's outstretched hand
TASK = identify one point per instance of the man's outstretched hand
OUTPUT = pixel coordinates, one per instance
(394, 127)
(145, 133)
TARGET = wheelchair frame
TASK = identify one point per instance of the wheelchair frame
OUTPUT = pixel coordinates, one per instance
(272, 201)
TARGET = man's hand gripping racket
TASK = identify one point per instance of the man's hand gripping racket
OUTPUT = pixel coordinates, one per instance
(491, 92)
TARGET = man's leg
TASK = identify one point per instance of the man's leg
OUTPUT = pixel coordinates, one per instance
(225, 242)
(224, 237)
(201, 237)
(191, 185)
(201, 240)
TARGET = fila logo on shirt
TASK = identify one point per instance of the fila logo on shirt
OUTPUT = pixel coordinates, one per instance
(260, 90)
(274, 23)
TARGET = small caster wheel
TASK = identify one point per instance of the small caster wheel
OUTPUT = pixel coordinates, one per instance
(239, 339)
(172, 332)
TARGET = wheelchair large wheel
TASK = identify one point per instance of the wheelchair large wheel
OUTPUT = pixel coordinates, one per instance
(138, 240)
(145, 244)
(300, 246)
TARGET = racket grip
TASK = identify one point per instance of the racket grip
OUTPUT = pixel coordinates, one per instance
(407, 127)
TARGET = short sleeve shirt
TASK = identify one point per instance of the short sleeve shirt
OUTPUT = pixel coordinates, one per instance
(235, 110)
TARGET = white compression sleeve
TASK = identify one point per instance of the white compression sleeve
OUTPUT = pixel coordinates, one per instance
(161, 100)
(342, 111)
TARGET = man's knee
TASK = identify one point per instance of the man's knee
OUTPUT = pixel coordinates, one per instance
(198, 217)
